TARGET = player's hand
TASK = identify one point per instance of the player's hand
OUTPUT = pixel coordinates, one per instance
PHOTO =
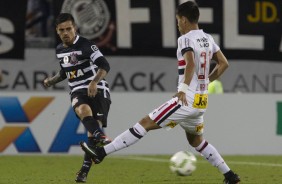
(47, 82)
(181, 97)
(92, 89)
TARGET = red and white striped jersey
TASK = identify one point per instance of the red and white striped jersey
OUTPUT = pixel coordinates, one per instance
(203, 46)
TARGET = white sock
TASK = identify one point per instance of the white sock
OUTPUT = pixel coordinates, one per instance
(126, 139)
(212, 156)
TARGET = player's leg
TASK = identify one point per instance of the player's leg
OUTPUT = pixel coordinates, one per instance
(125, 139)
(210, 153)
(81, 175)
(155, 120)
(152, 121)
(100, 107)
(80, 104)
(131, 136)
(84, 112)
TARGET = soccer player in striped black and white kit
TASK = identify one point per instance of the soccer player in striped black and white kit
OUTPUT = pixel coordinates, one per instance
(195, 51)
(85, 67)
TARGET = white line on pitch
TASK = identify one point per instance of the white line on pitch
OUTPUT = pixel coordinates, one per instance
(166, 160)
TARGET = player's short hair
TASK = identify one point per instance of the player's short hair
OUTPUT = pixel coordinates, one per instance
(190, 10)
(63, 17)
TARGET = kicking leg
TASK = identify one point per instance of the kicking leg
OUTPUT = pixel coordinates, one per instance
(125, 139)
(131, 136)
(92, 125)
(84, 112)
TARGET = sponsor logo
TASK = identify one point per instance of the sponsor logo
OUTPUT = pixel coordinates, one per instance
(68, 135)
(171, 124)
(17, 128)
(200, 101)
(265, 12)
(74, 74)
(17, 119)
(200, 127)
(99, 114)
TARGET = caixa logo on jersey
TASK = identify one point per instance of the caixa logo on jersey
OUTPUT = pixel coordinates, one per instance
(19, 119)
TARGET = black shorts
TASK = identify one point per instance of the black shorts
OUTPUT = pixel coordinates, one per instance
(100, 105)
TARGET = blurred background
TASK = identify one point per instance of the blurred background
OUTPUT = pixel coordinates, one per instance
(139, 39)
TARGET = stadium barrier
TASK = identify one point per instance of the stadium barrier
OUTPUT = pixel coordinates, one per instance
(44, 123)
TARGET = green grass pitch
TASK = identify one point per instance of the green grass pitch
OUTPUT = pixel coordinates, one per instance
(133, 169)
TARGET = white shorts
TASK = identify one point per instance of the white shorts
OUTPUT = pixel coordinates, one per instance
(172, 113)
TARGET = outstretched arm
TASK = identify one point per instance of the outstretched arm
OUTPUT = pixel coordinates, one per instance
(60, 76)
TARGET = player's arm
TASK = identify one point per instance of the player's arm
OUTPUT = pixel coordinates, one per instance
(190, 67)
(188, 75)
(103, 69)
(60, 76)
(222, 65)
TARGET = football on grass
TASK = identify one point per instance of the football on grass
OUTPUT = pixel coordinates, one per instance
(183, 163)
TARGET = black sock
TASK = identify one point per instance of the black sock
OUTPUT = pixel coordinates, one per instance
(91, 125)
(87, 162)
(228, 174)
(101, 151)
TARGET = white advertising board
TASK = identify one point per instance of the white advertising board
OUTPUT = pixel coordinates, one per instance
(139, 74)
(44, 123)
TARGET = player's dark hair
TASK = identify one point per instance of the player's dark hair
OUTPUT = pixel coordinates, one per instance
(190, 10)
(63, 17)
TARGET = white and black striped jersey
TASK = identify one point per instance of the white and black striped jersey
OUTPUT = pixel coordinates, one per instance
(80, 63)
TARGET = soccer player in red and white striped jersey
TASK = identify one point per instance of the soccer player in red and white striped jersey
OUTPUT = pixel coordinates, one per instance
(195, 51)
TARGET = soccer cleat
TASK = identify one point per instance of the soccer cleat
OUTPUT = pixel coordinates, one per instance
(81, 177)
(231, 178)
(101, 139)
(92, 152)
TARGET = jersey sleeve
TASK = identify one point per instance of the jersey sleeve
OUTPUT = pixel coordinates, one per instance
(91, 51)
(62, 73)
(215, 47)
(96, 57)
(185, 44)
